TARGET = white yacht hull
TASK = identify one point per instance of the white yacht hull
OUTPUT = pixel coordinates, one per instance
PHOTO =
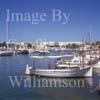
(42, 57)
(69, 72)
(97, 65)
(7, 53)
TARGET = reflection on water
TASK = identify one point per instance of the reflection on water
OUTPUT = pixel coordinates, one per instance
(43, 82)
(76, 88)
(97, 71)
(50, 88)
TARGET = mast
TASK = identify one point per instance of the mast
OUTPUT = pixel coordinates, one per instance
(89, 35)
(83, 51)
(7, 32)
(80, 57)
(99, 50)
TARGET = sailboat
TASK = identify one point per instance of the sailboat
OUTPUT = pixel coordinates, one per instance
(82, 70)
(68, 72)
(6, 51)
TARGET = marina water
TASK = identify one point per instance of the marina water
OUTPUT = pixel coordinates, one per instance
(40, 88)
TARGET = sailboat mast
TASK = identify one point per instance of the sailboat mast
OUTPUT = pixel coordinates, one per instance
(7, 32)
(89, 35)
(83, 52)
(99, 50)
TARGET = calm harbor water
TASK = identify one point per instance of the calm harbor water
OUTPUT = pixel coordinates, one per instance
(15, 66)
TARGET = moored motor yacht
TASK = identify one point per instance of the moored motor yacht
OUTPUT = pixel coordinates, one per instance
(6, 52)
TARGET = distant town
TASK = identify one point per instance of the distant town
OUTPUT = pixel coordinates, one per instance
(44, 45)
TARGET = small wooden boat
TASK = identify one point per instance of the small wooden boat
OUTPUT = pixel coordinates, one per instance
(80, 70)
(67, 72)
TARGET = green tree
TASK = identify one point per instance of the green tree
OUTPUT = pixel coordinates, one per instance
(29, 45)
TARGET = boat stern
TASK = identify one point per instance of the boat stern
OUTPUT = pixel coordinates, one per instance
(28, 70)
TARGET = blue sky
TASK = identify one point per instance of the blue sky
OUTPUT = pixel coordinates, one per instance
(83, 13)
